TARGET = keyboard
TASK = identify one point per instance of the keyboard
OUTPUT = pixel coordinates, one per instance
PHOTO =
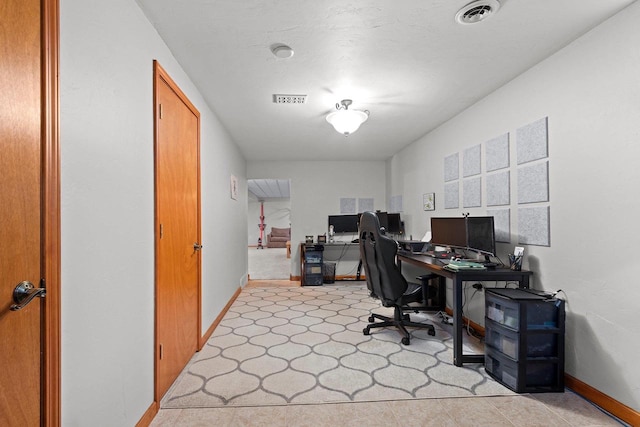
(440, 254)
(464, 265)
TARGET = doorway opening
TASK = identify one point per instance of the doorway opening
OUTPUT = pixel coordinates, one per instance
(269, 229)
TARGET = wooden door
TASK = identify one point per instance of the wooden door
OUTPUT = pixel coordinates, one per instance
(29, 213)
(177, 230)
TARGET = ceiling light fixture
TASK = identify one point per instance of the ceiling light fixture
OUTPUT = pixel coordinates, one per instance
(347, 121)
(282, 51)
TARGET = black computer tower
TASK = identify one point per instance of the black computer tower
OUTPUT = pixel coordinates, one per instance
(434, 292)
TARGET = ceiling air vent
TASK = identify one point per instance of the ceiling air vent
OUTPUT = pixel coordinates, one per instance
(477, 11)
(289, 99)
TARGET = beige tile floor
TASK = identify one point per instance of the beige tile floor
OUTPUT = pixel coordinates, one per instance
(524, 410)
(527, 410)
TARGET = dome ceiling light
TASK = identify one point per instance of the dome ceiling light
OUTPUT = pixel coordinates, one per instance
(347, 121)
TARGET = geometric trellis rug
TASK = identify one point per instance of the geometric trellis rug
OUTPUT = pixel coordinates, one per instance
(304, 345)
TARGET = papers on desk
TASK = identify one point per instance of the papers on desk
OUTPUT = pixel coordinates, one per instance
(455, 265)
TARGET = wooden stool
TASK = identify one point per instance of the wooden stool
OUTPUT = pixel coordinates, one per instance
(288, 248)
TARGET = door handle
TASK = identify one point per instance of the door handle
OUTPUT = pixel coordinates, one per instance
(24, 293)
(197, 246)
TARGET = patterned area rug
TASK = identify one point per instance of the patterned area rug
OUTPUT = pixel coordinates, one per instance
(305, 345)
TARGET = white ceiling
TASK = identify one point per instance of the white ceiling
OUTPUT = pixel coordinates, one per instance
(406, 61)
(262, 189)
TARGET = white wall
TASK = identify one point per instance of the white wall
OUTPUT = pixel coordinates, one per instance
(106, 80)
(591, 93)
(277, 213)
(316, 189)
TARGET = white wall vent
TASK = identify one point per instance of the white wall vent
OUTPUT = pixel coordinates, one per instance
(289, 99)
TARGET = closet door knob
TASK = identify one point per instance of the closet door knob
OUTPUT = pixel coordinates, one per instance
(24, 293)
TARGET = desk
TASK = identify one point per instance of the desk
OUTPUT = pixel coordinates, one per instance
(435, 267)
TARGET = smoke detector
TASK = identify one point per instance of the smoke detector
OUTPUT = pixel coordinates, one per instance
(281, 51)
(477, 11)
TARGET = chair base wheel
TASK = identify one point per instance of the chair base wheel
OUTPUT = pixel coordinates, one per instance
(400, 320)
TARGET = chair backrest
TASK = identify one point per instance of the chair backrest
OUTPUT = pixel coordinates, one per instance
(378, 255)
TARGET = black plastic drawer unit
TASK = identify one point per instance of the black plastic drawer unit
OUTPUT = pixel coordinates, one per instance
(512, 343)
(524, 339)
(541, 375)
(312, 265)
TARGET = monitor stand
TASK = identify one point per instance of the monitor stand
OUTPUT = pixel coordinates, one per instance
(482, 258)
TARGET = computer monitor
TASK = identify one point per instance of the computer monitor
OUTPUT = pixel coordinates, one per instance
(344, 223)
(448, 232)
(481, 235)
(474, 233)
(394, 224)
(383, 219)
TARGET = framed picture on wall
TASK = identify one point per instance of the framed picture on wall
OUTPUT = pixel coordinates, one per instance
(429, 201)
(234, 187)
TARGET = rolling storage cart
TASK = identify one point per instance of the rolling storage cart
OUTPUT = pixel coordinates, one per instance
(524, 339)
(312, 265)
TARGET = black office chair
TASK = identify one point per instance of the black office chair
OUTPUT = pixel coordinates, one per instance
(384, 279)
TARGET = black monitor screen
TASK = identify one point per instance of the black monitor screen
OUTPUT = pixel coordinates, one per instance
(481, 234)
(448, 232)
(344, 223)
(393, 223)
(383, 219)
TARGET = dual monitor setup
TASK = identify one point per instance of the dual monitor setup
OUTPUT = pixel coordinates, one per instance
(474, 233)
(349, 223)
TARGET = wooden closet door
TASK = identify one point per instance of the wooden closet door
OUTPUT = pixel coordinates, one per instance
(178, 231)
(22, 330)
